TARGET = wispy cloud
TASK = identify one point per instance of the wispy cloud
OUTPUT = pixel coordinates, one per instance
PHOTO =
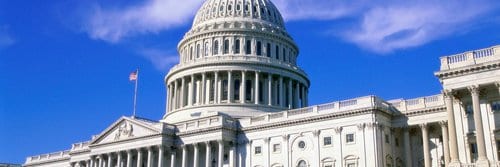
(387, 26)
(161, 59)
(153, 16)
(6, 39)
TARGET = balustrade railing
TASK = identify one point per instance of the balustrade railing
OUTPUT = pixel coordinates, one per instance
(470, 58)
(418, 103)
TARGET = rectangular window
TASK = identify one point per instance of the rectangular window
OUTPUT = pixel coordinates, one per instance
(224, 90)
(237, 46)
(259, 48)
(236, 90)
(248, 46)
(495, 106)
(396, 142)
(351, 165)
(387, 139)
(327, 141)
(349, 138)
(258, 150)
(276, 148)
(226, 46)
(268, 50)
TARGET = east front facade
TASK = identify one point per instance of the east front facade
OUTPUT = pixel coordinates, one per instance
(238, 99)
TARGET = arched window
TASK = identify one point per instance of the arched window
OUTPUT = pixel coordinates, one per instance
(268, 50)
(216, 47)
(230, 7)
(302, 163)
(226, 46)
(248, 46)
(277, 52)
(284, 54)
(248, 90)
(198, 50)
(206, 49)
(191, 53)
(237, 46)
(259, 48)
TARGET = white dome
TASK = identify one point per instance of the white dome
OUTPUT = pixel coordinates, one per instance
(262, 11)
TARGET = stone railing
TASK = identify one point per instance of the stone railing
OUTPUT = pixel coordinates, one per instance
(418, 103)
(47, 157)
(246, 59)
(470, 58)
(80, 146)
(339, 106)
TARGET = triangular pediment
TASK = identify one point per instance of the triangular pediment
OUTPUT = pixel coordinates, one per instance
(126, 128)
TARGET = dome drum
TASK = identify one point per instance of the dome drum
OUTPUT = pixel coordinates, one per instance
(237, 60)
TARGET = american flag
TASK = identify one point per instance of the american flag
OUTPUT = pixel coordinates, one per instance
(133, 76)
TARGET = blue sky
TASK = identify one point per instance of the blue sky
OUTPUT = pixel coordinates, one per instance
(65, 63)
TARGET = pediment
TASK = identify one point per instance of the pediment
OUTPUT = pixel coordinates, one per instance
(125, 128)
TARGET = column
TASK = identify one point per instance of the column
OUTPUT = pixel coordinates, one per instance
(150, 157)
(88, 163)
(478, 122)
(444, 131)
(208, 88)
(229, 87)
(217, 98)
(221, 153)
(203, 88)
(425, 142)
(184, 156)
(183, 93)
(281, 88)
(303, 96)
(160, 155)
(139, 158)
(297, 94)
(290, 103)
(257, 89)
(269, 89)
(243, 87)
(452, 133)
(407, 146)
(232, 156)
(172, 157)
(119, 159)
(100, 161)
(91, 162)
(196, 155)
(129, 158)
(190, 91)
(208, 156)
(110, 160)
(176, 96)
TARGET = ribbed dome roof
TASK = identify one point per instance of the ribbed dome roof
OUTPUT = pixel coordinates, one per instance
(262, 11)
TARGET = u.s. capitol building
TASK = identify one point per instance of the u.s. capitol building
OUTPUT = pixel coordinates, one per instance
(237, 98)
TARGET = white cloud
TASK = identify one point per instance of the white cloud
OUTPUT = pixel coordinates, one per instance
(113, 25)
(385, 26)
(161, 59)
(6, 39)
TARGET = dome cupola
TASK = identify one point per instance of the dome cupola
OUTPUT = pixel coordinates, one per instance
(237, 59)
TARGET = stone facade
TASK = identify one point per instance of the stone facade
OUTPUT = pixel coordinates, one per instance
(238, 98)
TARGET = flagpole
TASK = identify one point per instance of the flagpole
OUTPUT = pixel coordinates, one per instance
(135, 92)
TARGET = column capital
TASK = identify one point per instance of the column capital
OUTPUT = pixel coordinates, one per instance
(497, 84)
(443, 123)
(423, 126)
(316, 133)
(338, 130)
(474, 90)
(285, 137)
(448, 93)
(361, 126)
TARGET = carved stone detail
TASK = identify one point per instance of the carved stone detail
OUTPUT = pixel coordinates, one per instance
(338, 130)
(124, 131)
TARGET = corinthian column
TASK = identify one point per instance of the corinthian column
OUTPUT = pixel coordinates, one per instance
(150, 157)
(184, 156)
(425, 142)
(452, 133)
(196, 155)
(269, 89)
(257, 89)
(129, 158)
(478, 122)
(139, 158)
(208, 152)
(407, 146)
(444, 131)
(243, 88)
(160, 155)
(230, 87)
(221, 153)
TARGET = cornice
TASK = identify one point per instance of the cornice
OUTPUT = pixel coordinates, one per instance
(206, 131)
(131, 140)
(213, 63)
(467, 70)
(301, 121)
(424, 111)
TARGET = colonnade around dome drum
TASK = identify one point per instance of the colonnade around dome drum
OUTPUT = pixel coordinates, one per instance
(226, 87)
